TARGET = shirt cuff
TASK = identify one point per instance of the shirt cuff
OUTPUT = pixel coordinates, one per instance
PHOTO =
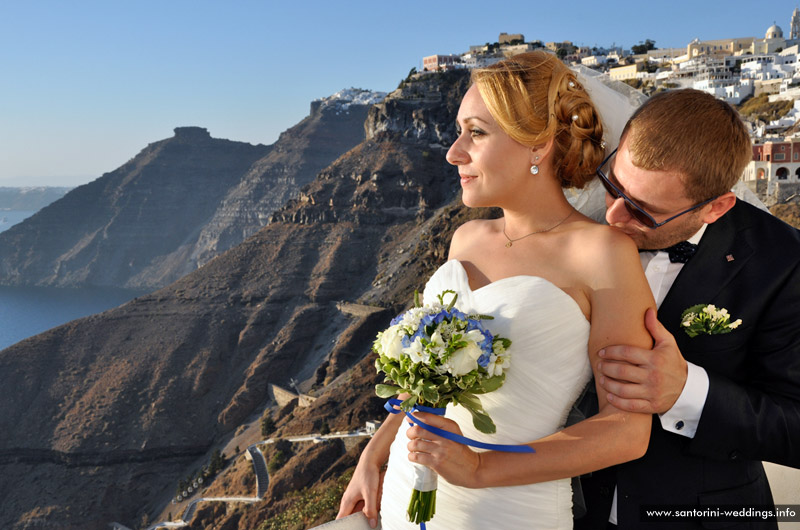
(685, 414)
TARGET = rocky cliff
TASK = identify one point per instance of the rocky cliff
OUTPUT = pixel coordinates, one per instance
(176, 205)
(334, 125)
(101, 417)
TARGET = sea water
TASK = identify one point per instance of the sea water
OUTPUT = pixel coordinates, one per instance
(9, 218)
(27, 311)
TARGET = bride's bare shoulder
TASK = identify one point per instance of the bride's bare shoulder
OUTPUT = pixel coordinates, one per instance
(478, 224)
(476, 227)
(603, 242)
(470, 233)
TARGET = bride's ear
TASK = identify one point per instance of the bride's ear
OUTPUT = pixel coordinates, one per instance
(541, 152)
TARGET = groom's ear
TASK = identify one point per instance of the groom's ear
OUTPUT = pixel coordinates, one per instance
(719, 207)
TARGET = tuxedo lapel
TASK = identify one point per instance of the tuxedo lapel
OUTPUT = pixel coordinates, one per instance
(721, 254)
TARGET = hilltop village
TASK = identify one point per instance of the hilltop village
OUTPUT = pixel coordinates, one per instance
(761, 76)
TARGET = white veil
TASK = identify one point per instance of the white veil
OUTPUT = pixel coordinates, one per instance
(615, 102)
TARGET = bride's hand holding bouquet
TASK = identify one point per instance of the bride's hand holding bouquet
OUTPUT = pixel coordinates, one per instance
(434, 355)
(453, 460)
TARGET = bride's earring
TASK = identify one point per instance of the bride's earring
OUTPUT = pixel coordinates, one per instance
(534, 167)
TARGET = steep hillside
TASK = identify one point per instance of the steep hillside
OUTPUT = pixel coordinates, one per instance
(177, 204)
(334, 125)
(101, 417)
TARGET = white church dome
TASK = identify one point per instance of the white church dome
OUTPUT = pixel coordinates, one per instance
(774, 32)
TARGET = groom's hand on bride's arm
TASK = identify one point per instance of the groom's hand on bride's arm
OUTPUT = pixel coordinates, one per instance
(642, 380)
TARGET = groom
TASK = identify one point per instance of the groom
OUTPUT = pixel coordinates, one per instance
(722, 403)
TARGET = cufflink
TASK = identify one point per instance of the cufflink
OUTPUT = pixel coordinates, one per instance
(679, 425)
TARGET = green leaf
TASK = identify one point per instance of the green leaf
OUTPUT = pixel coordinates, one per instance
(505, 342)
(694, 309)
(480, 419)
(430, 393)
(408, 403)
(452, 303)
(491, 384)
(483, 422)
(441, 298)
(387, 391)
(469, 379)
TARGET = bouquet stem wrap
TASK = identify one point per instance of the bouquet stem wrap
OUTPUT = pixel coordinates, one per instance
(422, 505)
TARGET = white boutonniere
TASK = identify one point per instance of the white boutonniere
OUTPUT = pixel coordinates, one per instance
(706, 319)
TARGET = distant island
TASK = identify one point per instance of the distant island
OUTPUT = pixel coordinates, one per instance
(30, 199)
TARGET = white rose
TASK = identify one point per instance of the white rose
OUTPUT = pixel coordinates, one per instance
(474, 336)
(465, 360)
(391, 342)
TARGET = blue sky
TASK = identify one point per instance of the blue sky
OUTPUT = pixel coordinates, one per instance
(85, 85)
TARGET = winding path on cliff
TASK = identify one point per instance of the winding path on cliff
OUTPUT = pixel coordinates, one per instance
(262, 479)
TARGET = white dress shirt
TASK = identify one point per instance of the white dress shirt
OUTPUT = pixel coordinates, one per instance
(684, 415)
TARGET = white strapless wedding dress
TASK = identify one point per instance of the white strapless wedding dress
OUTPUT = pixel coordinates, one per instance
(549, 368)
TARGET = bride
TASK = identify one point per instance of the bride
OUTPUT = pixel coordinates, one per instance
(559, 285)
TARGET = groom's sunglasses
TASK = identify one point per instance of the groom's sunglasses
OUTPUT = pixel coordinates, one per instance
(636, 211)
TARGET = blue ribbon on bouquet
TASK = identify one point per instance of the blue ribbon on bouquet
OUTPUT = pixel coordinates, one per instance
(505, 448)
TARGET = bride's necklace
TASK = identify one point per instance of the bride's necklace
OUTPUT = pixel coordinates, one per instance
(511, 241)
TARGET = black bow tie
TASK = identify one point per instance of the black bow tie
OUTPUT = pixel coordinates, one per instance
(680, 252)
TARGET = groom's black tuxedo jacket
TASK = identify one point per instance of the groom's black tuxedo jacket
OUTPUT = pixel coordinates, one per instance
(749, 263)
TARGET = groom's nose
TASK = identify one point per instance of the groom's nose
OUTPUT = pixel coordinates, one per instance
(616, 212)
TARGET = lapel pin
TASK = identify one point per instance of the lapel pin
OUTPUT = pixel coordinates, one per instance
(729, 257)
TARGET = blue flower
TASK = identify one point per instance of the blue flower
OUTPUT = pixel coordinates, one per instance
(427, 320)
(424, 322)
(475, 324)
(455, 313)
(436, 318)
(488, 343)
(483, 360)
(396, 320)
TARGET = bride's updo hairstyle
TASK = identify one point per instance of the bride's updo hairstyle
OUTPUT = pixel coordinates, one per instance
(534, 97)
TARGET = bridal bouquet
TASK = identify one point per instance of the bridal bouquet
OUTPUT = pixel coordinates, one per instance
(439, 355)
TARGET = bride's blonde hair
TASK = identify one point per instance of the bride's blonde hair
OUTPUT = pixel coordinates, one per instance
(534, 97)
